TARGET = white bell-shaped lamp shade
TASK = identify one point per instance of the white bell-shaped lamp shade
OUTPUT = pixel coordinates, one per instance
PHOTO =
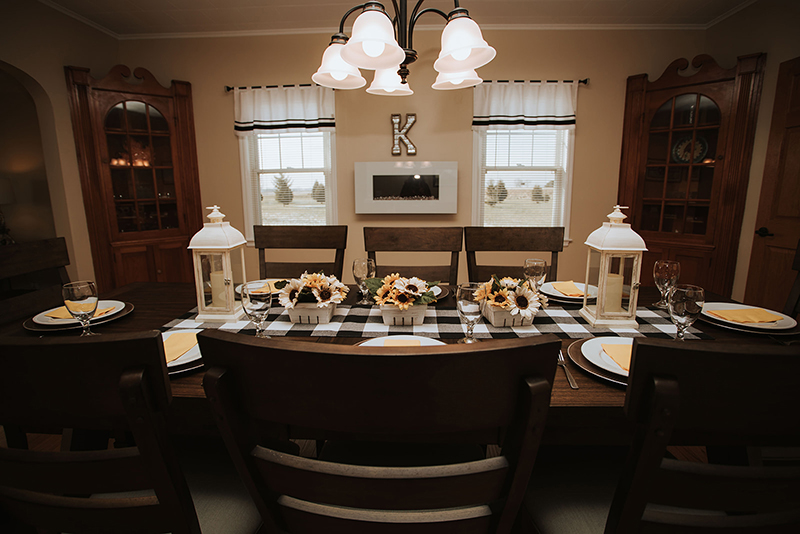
(463, 47)
(446, 81)
(335, 72)
(372, 45)
(387, 83)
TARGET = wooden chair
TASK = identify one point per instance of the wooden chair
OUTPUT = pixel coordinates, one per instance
(688, 393)
(112, 383)
(31, 276)
(300, 237)
(792, 307)
(510, 239)
(382, 397)
(416, 239)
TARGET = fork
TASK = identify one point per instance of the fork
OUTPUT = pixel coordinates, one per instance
(563, 364)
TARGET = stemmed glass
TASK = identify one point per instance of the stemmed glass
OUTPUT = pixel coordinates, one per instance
(363, 268)
(685, 304)
(80, 299)
(469, 309)
(535, 271)
(665, 274)
(256, 302)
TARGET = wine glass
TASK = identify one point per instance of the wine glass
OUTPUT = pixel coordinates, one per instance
(363, 268)
(685, 304)
(665, 274)
(469, 308)
(535, 271)
(80, 299)
(256, 302)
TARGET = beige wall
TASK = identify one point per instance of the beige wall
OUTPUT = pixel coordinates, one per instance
(35, 44)
(442, 131)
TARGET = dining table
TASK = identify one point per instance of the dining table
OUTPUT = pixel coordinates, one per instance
(591, 414)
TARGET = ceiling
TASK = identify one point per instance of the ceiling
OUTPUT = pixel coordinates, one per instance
(135, 19)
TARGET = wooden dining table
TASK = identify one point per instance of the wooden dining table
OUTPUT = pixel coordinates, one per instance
(591, 414)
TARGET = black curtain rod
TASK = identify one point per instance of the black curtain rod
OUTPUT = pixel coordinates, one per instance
(228, 88)
(584, 81)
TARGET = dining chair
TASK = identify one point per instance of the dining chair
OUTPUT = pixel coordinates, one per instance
(31, 276)
(416, 239)
(402, 409)
(687, 393)
(510, 239)
(792, 307)
(113, 384)
(300, 237)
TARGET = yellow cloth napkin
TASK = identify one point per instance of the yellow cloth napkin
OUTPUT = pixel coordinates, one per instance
(178, 343)
(567, 288)
(401, 343)
(746, 315)
(63, 313)
(619, 353)
(269, 287)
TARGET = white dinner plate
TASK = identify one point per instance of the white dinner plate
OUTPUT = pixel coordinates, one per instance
(378, 341)
(593, 351)
(548, 289)
(42, 318)
(190, 355)
(238, 288)
(784, 323)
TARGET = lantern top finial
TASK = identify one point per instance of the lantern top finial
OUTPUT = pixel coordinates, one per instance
(215, 216)
(616, 217)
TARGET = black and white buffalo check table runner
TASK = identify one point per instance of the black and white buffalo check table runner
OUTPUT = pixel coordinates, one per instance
(365, 322)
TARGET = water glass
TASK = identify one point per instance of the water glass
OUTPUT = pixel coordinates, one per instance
(80, 299)
(256, 302)
(363, 268)
(469, 309)
(685, 304)
(535, 271)
(665, 274)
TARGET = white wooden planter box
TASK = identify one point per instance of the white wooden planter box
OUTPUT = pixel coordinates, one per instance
(500, 317)
(308, 312)
(394, 316)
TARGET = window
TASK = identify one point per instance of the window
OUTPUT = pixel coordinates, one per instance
(290, 178)
(523, 177)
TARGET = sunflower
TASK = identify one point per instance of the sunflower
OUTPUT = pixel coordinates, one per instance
(499, 299)
(483, 291)
(390, 279)
(384, 294)
(288, 295)
(524, 302)
(314, 280)
(402, 300)
(326, 293)
(413, 286)
(509, 283)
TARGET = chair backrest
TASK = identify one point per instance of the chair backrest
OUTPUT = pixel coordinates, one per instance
(300, 237)
(31, 276)
(792, 307)
(720, 394)
(513, 239)
(112, 382)
(416, 239)
(495, 392)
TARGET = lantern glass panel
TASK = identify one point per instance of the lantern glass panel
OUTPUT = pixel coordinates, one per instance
(237, 266)
(618, 284)
(214, 294)
(592, 276)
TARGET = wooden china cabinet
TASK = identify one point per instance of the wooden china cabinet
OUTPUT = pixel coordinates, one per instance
(138, 165)
(686, 149)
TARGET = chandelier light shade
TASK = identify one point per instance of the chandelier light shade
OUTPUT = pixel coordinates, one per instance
(388, 83)
(385, 44)
(336, 72)
(446, 81)
(463, 47)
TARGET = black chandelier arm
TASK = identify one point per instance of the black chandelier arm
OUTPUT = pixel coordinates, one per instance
(344, 18)
(415, 18)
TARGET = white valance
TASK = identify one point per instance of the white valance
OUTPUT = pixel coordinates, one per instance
(283, 109)
(525, 105)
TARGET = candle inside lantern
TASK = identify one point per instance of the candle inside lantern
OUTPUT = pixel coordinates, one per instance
(218, 289)
(614, 293)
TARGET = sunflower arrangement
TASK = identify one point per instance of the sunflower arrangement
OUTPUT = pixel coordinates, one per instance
(311, 288)
(512, 295)
(395, 290)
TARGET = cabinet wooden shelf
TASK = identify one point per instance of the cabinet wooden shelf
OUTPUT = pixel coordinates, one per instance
(686, 148)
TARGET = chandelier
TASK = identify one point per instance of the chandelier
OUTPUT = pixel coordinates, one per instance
(373, 46)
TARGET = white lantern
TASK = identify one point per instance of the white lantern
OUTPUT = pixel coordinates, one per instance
(613, 264)
(218, 254)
